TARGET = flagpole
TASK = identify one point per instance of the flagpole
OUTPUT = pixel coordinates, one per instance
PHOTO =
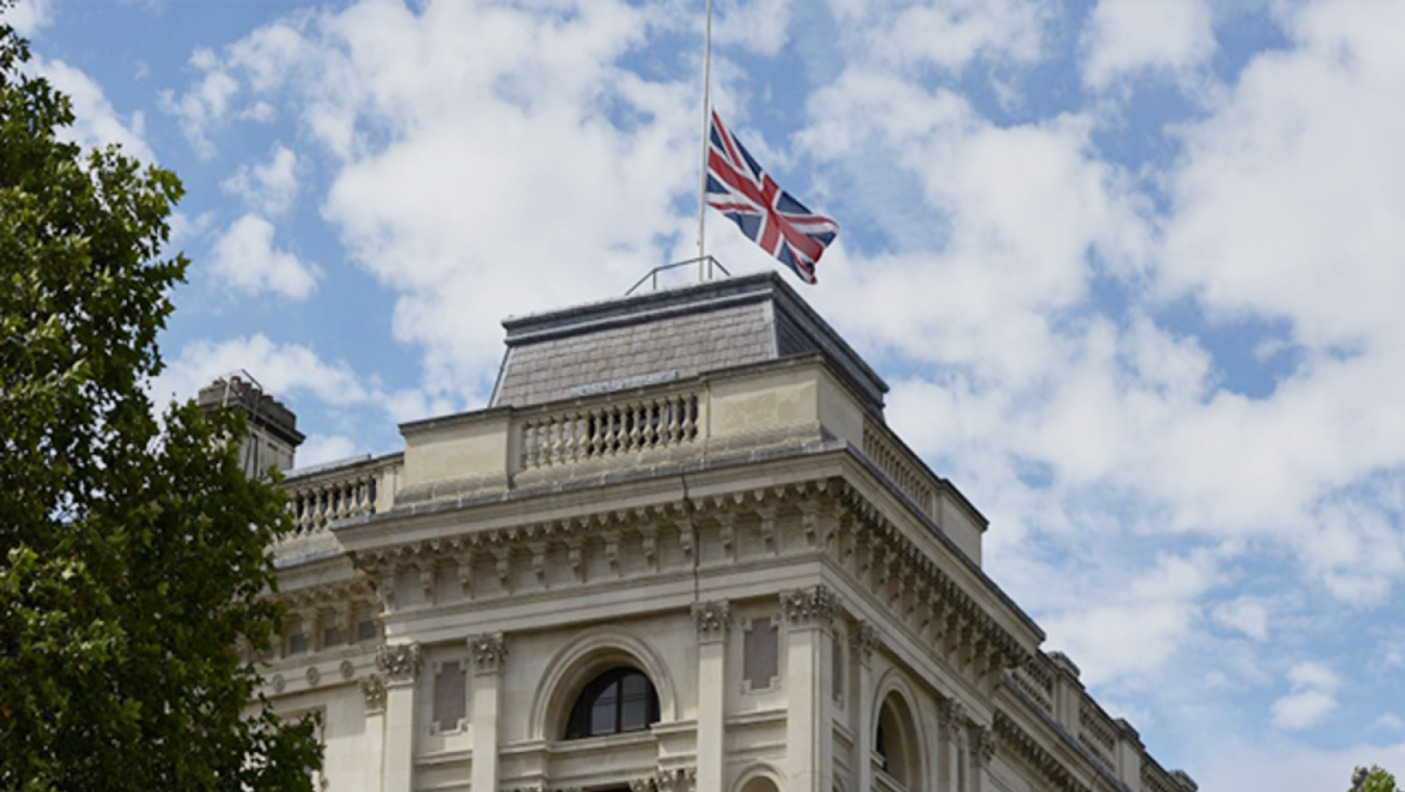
(706, 125)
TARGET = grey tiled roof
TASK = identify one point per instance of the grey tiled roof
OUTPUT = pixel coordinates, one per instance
(665, 335)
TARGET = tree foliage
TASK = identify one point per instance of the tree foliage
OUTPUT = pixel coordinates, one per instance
(133, 554)
(1373, 779)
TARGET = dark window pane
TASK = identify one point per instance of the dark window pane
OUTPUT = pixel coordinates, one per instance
(620, 699)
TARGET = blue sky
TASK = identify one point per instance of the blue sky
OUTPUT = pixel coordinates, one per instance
(1132, 268)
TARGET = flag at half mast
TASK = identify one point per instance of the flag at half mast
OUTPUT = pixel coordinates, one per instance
(768, 215)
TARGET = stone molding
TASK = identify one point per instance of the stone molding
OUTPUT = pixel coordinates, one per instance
(713, 620)
(399, 662)
(809, 607)
(489, 652)
(373, 688)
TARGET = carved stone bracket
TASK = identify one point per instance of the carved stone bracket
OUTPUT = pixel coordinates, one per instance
(489, 652)
(864, 638)
(373, 688)
(951, 715)
(712, 619)
(400, 662)
(982, 745)
(811, 607)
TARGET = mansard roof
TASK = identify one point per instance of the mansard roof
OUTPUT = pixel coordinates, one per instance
(670, 334)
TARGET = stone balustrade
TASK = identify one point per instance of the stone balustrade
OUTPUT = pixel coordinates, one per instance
(614, 428)
(321, 496)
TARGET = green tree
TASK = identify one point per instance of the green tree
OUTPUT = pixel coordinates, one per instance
(133, 553)
(1372, 780)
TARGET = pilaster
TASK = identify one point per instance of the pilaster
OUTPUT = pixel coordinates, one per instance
(809, 615)
(400, 665)
(373, 688)
(982, 751)
(489, 653)
(951, 746)
(863, 640)
(713, 620)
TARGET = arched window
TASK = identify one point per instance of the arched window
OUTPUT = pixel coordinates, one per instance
(619, 700)
(894, 746)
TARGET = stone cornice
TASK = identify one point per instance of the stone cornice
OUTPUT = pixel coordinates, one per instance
(917, 588)
(1019, 743)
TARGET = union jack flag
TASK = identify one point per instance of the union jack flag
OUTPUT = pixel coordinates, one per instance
(770, 216)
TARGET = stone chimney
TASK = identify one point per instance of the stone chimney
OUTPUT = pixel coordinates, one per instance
(273, 429)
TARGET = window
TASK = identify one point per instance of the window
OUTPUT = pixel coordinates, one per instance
(894, 746)
(619, 700)
(760, 655)
(450, 697)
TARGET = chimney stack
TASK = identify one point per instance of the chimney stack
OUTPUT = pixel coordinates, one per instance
(273, 429)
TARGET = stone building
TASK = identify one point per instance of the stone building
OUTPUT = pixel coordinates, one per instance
(680, 550)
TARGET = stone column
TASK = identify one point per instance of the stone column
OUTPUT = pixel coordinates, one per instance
(713, 620)
(373, 687)
(400, 664)
(951, 746)
(489, 652)
(809, 614)
(864, 639)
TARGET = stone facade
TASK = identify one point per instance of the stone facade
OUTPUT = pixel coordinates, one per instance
(726, 576)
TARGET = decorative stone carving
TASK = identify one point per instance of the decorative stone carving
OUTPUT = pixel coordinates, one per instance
(313, 676)
(712, 619)
(399, 662)
(864, 638)
(808, 607)
(347, 669)
(951, 714)
(489, 651)
(982, 745)
(677, 780)
(278, 683)
(373, 688)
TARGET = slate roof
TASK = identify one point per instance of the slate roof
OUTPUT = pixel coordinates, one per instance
(669, 334)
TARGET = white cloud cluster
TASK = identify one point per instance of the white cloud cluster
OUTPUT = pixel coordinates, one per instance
(28, 16)
(97, 123)
(245, 259)
(270, 187)
(513, 144)
(948, 34)
(1125, 37)
(1312, 699)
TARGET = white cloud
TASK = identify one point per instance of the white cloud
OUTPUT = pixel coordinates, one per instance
(204, 105)
(291, 372)
(949, 34)
(1247, 614)
(268, 188)
(1388, 721)
(244, 259)
(317, 449)
(758, 25)
(1126, 36)
(96, 122)
(492, 128)
(1312, 699)
(27, 16)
